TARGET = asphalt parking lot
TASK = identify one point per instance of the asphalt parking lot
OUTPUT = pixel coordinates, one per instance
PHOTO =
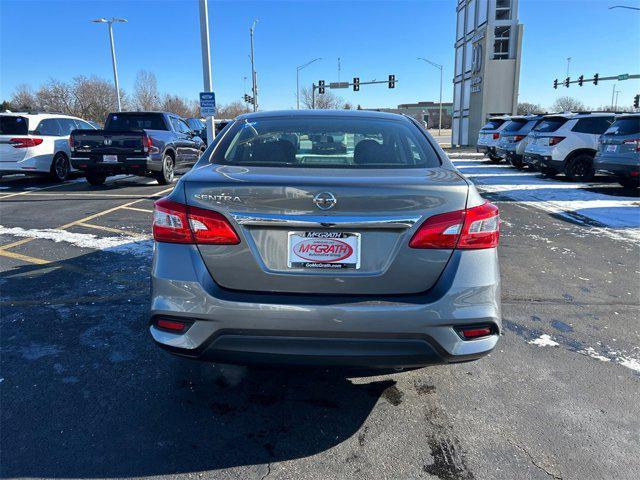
(85, 393)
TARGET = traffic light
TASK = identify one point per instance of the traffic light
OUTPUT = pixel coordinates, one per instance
(580, 80)
(595, 79)
(555, 83)
(392, 81)
(248, 98)
(356, 84)
(566, 82)
(636, 101)
(321, 86)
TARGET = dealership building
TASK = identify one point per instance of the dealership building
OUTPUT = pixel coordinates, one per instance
(487, 65)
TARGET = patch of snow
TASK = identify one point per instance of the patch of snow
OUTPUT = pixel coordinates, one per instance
(629, 362)
(591, 352)
(544, 341)
(136, 245)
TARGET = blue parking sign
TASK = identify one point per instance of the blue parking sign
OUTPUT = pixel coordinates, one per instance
(207, 104)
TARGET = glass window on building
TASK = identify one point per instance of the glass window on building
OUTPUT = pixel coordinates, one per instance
(501, 37)
(503, 9)
(460, 24)
(468, 56)
(458, 61)
(464, 131)
(456, 95)
(471, 16)
(466, 95)
(482, 7)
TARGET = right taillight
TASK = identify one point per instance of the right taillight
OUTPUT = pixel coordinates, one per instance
(175, 222)
(555, 140)
(473, 228)
(25, 142)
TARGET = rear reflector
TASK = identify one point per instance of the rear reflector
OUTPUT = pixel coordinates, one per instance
(25, 142)
(175, 222)
(473, 228)
(175, 326)
(473, 332)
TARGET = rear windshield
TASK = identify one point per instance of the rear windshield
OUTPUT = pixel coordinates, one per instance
(10, 125)
(514, 125)
(326, 142)
(135, 121)
(550, 124)
(625, 126)
(492, 125)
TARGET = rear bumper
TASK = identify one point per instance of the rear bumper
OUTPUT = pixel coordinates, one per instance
(537, 160)
(385, 331)
(610, 167)
(128, 165)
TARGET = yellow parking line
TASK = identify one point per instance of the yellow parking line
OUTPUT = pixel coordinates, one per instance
(145, 210)
(24, 258)
(109, 229)
(26, 192)
(15, 244)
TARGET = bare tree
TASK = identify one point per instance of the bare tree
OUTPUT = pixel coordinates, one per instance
(179, 106)
(23, 98)
(347, 106)
(327, 100)
(57, 97)
(526, 108)
(145, 92)
(95, 98)
(232, 110)
(568, 104)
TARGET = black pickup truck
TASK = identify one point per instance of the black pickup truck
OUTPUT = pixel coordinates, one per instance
(139, 143)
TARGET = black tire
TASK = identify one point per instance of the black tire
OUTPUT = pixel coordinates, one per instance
(494, 158)
(167, 174)
(630, 182)
(580, 168)
(60, 167)
(548, 172)
(96, 179)
(519, 164)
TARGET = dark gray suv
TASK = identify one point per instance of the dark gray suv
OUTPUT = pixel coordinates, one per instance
(619, 151)
(275, 248)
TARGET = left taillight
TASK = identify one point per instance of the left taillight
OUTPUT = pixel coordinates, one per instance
(496, 136)
(518, 138)
(25, 142)
(555, 140)
(473, 228)
(146, 142)
(175, 222)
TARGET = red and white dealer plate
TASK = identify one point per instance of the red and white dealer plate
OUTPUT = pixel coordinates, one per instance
(332, 250)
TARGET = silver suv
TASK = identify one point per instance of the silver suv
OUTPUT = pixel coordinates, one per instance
(514, 138)
(619, 151)
(375, 253)
(567, 142)
(489, 135)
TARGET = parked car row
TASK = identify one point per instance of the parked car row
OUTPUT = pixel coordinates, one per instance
(142, 143)
(579, 145)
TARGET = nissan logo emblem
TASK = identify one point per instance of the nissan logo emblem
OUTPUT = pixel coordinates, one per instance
(325, 200)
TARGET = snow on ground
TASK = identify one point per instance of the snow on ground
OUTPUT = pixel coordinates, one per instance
(616, 215)
(124, 244)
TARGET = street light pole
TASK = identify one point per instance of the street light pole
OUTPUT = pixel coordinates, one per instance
(254, 79)
(298, 68)
(440, 109)
(205, 46)
(110, 23)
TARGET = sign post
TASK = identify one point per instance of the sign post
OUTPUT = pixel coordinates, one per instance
(206, 69)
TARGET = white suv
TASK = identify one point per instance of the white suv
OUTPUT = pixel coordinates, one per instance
(567, 142)
(37, 143)
(489, 135)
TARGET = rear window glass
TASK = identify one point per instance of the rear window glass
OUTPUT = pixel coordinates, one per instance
(13, 125)
(625, 126)
(135, 122)
(492, 124)
(550, 124)
(326, 142)
(514, 125)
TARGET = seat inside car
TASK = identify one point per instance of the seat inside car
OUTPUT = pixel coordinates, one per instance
(369, 152)
(279, 151)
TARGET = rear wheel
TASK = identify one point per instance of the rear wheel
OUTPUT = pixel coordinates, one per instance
(96, 179)
(60, 167)
(493, 158)
(166, 175)
(519, 164)
(630, 182)
(580, 168)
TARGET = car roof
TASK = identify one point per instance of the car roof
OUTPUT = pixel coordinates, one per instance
(570, 115)
(628, 115)
(500, 117)
(307, 113)
(38, 116)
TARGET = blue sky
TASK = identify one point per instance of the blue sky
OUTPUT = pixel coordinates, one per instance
(55, 39)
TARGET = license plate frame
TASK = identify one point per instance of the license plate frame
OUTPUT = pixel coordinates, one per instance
(109, 158)
(329, 253)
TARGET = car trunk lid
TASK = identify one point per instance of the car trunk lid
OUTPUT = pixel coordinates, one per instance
(376, 212)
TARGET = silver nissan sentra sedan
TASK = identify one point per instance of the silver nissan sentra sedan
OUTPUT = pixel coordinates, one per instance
(340, 238)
